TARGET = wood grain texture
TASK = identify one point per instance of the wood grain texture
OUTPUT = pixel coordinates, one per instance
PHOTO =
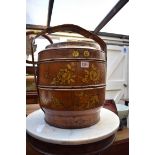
(83, 149)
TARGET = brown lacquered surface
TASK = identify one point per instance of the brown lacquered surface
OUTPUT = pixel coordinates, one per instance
(71, 99)
(70, 108)
(71, 73)
(73, 85)
(71, 78)
(69, 53)
(72, 119)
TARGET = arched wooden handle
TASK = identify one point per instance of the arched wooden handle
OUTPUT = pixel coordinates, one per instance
(76, 29)
(44, 35)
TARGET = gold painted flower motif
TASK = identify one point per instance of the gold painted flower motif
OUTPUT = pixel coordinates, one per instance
(91, 75)
(94, 100)
(65, 75)
(45, 98)
(56, 103)
(75, 53)
(86, 101)
(94, 74)
(86, 53)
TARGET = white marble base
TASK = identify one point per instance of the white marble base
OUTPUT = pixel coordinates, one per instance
(39, 129)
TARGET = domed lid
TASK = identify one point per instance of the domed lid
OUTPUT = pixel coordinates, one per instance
(75, 44)
(72, 50)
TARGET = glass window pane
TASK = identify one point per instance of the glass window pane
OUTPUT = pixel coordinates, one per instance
(85, 13)
(119, 23)
(36, 12)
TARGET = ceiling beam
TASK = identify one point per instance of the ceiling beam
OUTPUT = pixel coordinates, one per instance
(35, 27)
(110, 15)
(50, 8)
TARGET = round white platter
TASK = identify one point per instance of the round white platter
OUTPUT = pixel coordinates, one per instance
(39, 129)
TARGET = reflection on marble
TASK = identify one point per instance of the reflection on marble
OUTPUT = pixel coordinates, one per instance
(38, 128)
